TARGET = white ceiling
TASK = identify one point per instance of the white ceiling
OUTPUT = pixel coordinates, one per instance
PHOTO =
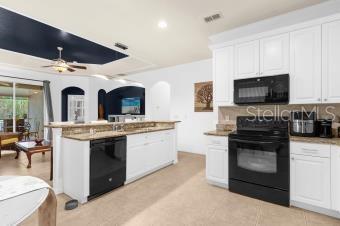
(134, 23)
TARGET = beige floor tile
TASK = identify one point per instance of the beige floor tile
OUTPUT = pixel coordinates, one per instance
(314, 219)
(176, 195)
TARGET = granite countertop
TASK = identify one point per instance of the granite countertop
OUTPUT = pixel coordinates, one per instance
(109, 134)
(77, 125)
(318, 140)
(221, 133)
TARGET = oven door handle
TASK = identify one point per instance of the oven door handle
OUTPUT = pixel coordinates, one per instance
(252, 142)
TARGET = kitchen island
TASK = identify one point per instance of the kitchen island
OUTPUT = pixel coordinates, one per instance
(150, 145)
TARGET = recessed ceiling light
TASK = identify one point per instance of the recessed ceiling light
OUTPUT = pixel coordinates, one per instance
(162, 24)
(100, 76)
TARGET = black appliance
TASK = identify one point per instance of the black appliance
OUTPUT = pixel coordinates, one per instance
(303, 124)
(325, 128)
(259, 159)
(107, 165)
(262, 90)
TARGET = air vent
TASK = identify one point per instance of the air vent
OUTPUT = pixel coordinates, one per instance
(121, 46)
(212, 18)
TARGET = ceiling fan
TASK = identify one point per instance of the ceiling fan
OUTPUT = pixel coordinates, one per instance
(61, 65)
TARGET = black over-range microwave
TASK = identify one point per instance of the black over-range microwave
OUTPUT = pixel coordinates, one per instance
(262, 90)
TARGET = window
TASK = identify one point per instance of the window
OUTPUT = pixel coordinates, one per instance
(76, 108)
(21, 109)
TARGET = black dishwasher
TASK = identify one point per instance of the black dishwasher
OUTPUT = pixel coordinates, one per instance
(107, 165)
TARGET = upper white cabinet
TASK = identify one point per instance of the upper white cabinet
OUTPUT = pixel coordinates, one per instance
(335, 177)
(310, 55)
(330, 62)
(305, 66)
(223, 74)
(274, 55)
(247, 60)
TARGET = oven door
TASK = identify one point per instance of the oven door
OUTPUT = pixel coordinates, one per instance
(262, 162)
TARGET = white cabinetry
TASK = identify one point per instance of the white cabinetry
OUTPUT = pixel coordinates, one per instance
(335, 177)
(223, 66)
(330, 62)
(305, 66)
(149, 152)
(310, 174)
(247, 60)
(217, 161)
(274, 55)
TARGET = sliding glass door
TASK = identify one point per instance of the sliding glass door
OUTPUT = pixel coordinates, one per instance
(22, 109)
(6, 107)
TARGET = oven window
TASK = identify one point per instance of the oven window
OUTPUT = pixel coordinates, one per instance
(255, 160)
(261, 91)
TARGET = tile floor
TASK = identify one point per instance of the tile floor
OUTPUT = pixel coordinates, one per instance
(176, 195)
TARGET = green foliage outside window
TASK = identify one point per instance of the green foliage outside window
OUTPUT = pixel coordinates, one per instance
(6, 107)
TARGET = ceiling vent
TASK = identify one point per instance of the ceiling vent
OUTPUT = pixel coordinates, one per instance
(213, 17)
(121, 46)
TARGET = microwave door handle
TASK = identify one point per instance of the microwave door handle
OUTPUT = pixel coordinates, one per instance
(252, 142)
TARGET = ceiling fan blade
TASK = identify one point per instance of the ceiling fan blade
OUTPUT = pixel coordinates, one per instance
(48, 66)
(70, 69)
(77, 66)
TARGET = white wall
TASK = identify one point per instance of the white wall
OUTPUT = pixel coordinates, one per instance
(181, 79)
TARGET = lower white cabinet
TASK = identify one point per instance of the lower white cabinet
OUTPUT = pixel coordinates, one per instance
(335, 177)
(217, 161)
(148, 152)
(310, 174)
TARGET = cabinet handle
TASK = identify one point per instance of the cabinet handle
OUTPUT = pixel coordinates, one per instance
(319, 99)
(325, 99)
(292, 158)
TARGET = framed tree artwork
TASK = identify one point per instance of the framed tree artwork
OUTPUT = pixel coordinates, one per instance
(204, 96)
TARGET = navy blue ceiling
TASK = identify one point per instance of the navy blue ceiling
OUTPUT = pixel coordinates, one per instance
(25, 35)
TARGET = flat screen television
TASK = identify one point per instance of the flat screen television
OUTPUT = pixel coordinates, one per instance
(131, 105)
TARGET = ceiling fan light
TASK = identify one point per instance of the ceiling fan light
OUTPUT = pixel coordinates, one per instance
(59, 68)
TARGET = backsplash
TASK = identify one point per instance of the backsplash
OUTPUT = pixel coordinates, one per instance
(324, 111)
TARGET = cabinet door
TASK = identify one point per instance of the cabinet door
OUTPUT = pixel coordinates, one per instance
(168, 153)
(274, 55)
(136, 161)
(223, 75)
(310, 180)
(305, 66)
(330, 62)
(155, 154)
(217, 164)
(247, 60)
(335, 177)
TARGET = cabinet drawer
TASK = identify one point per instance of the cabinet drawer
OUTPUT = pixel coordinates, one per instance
(136, 139)
(218, 141)
(317, 150)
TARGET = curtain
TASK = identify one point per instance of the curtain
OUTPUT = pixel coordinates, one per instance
(48, 102)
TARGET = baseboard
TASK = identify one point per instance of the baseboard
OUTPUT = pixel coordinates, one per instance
(218, 184)
(149, 172)
(316, 209)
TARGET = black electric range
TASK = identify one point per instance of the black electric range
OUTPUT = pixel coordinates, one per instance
(259, 159)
